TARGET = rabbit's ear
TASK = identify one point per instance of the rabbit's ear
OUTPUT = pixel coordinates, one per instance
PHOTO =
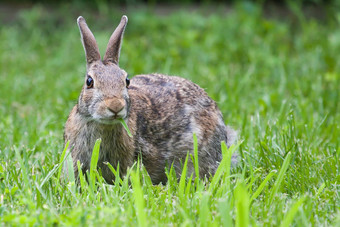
(113, 47)
(89, 42)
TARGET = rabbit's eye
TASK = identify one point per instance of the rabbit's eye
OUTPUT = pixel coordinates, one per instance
(89, 82)
(127, 82)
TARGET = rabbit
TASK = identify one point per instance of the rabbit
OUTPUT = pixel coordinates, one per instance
(162, 112)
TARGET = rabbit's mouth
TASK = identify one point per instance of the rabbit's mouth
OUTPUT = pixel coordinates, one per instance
(109, 117)
(111, 120)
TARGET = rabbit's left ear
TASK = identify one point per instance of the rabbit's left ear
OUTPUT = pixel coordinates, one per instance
(113, 47)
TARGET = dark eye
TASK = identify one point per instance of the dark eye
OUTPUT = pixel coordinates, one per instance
(127, 82)
(89, 82)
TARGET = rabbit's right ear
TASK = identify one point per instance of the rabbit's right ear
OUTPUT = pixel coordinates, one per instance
(89, 42)
(115, 42)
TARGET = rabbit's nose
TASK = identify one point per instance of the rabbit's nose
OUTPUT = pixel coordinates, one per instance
(115, 105)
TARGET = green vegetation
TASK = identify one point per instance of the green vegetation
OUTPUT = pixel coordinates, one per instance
(276, 80)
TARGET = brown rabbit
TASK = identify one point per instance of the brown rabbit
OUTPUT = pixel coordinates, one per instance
(162, 113)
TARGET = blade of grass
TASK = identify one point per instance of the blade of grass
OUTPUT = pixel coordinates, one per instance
(62, 159)
(71, 177)
(81, 176)
(197, 173)
(323, 185)
(125, 126)
(224, 211)
(116, 173)
(224, 166)
(172, 178)
(289, 217)
(49, 175)
(61, 163)
(242, 205)
(69, 163)
(22, 167)
(218, 173)
(228, 153)
(181, 186)
(189, 183)
(262, 185)
(204, 212)
(171, 183)
(94, 162)
(279, 179)
(46, 200)
(126, 181)
(138, 197)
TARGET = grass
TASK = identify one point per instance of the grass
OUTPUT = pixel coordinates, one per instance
(277, 81)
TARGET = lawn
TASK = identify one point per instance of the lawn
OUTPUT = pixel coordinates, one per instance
(275, 79)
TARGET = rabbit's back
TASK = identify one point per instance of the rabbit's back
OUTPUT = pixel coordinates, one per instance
(166, 111)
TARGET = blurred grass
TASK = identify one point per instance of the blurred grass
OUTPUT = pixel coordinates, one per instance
(276, 81)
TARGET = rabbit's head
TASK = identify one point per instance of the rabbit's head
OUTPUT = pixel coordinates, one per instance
(104, 97)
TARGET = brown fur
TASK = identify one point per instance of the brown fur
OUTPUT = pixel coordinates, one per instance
(162, 113)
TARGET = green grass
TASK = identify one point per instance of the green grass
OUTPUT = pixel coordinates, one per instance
(277, 81)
